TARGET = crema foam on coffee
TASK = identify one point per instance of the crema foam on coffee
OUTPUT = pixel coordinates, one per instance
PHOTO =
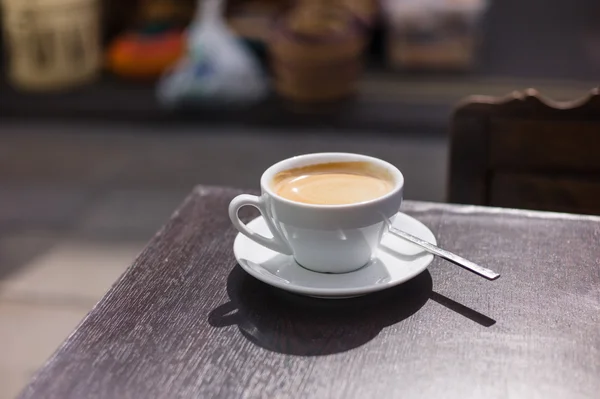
(337, 183)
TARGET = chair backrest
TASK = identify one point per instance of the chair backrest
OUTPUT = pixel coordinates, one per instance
(526, 151)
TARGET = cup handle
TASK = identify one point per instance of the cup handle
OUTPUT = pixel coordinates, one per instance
(278, 243)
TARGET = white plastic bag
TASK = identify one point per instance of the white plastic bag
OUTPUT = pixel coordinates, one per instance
(217, 69)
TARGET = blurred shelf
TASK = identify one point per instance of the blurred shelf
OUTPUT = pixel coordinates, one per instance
(518, 52)
(385, 101)
(110, 99)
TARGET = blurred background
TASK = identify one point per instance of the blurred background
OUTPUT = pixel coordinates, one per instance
(112, 110)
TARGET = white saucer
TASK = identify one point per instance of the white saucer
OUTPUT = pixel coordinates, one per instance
(396, 261)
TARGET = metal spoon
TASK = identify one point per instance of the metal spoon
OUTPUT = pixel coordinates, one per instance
(442, 253)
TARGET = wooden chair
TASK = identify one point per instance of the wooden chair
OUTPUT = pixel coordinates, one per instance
(526, 151)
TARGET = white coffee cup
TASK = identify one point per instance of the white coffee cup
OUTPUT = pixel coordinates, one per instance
(322, 238)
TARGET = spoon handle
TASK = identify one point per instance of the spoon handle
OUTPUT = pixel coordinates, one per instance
(442, 253)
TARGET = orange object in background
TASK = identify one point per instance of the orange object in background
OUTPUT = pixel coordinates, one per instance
(154, 43)
(141, 56)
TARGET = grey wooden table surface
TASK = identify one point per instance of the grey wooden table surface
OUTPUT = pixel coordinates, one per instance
(185, 321)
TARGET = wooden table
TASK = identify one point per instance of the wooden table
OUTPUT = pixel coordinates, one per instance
(185, 321)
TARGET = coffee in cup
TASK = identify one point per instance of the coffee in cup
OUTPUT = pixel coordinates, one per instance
(335, 183)
(328, 210)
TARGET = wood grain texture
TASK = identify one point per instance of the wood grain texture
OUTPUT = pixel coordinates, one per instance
(185, 321)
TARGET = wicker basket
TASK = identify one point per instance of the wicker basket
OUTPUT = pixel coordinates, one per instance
(52, 44)
(316, 53)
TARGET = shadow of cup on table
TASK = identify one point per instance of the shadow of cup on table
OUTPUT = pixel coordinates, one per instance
(448, 303)
(296, 325)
